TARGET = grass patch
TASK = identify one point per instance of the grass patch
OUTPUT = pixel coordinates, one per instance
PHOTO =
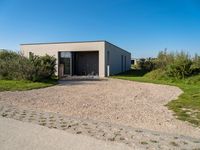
(187, 106)
(13, 85)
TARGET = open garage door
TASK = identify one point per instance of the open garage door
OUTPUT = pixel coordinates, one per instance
(85, 63)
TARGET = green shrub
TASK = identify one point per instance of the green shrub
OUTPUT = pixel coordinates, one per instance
(180, 67)
(195, 67)
(156, 74)
(44, 67)
(163, 59)
(140, 64)
(15, 66)
(176, 65)
(170, 65)
(145, 64)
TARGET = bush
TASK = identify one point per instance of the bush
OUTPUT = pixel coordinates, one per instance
(163, 59)
(195, 67)
(145, 64)
(15, 66)
(44, 67)
(177, 65)
(180, 67)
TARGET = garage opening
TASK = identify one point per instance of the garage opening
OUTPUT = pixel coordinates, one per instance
(78, 63)
(85, 63)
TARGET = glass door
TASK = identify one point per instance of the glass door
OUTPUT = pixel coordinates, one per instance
(65, 63)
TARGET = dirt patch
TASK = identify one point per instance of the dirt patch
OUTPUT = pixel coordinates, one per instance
(140, 105)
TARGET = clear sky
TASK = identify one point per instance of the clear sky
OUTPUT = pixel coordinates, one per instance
(142, 27)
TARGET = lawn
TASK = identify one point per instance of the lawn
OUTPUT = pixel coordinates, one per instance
(13, 85)
(187, 106)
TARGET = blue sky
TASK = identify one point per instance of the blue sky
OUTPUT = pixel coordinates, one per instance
(142, 27)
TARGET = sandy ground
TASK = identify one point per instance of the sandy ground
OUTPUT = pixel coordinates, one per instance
(16, 135)
(139, 105)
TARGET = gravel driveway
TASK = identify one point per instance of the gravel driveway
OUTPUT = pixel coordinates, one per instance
(139, 105)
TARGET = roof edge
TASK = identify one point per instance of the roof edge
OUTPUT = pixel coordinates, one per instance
(62, 42)
(75, 42)
(117, 47)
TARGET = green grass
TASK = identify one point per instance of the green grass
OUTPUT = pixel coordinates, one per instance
(13, 85)
(187, 106)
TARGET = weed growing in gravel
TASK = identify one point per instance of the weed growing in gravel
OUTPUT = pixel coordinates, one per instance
(4, 115)
(153, 141)
(78, 132)
(64, 123)
(52, 121)
(174, 143)
(175, 137)
(111, 139)
(31, 119)
(42, 123)
(122, 138)
(63, 126)
(85, 124)
(143, 143)
(42, 117)
(138, 131)
(31, 116)
(185, 142)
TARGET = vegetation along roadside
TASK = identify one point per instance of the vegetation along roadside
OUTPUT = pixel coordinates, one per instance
(20, 73)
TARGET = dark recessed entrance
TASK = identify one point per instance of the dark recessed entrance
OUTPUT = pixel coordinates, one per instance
(85, 63)
(79, 63)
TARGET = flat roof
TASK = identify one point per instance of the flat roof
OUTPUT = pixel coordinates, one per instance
(62, 42)
(74, 42)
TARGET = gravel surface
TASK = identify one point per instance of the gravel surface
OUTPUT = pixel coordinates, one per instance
(140, 105)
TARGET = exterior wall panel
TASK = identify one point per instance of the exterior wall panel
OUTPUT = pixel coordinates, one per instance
(119, 60)
(53, 49)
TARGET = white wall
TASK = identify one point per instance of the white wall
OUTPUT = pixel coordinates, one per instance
(115, 54)
(53, 49)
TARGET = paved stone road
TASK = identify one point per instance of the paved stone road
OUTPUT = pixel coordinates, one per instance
(18, 135)
(102, 130)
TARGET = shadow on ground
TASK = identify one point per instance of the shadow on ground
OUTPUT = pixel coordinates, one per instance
(79, 81)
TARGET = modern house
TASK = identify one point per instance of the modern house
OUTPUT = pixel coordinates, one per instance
(95, 58)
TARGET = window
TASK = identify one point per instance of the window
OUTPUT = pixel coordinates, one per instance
(65, 54)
